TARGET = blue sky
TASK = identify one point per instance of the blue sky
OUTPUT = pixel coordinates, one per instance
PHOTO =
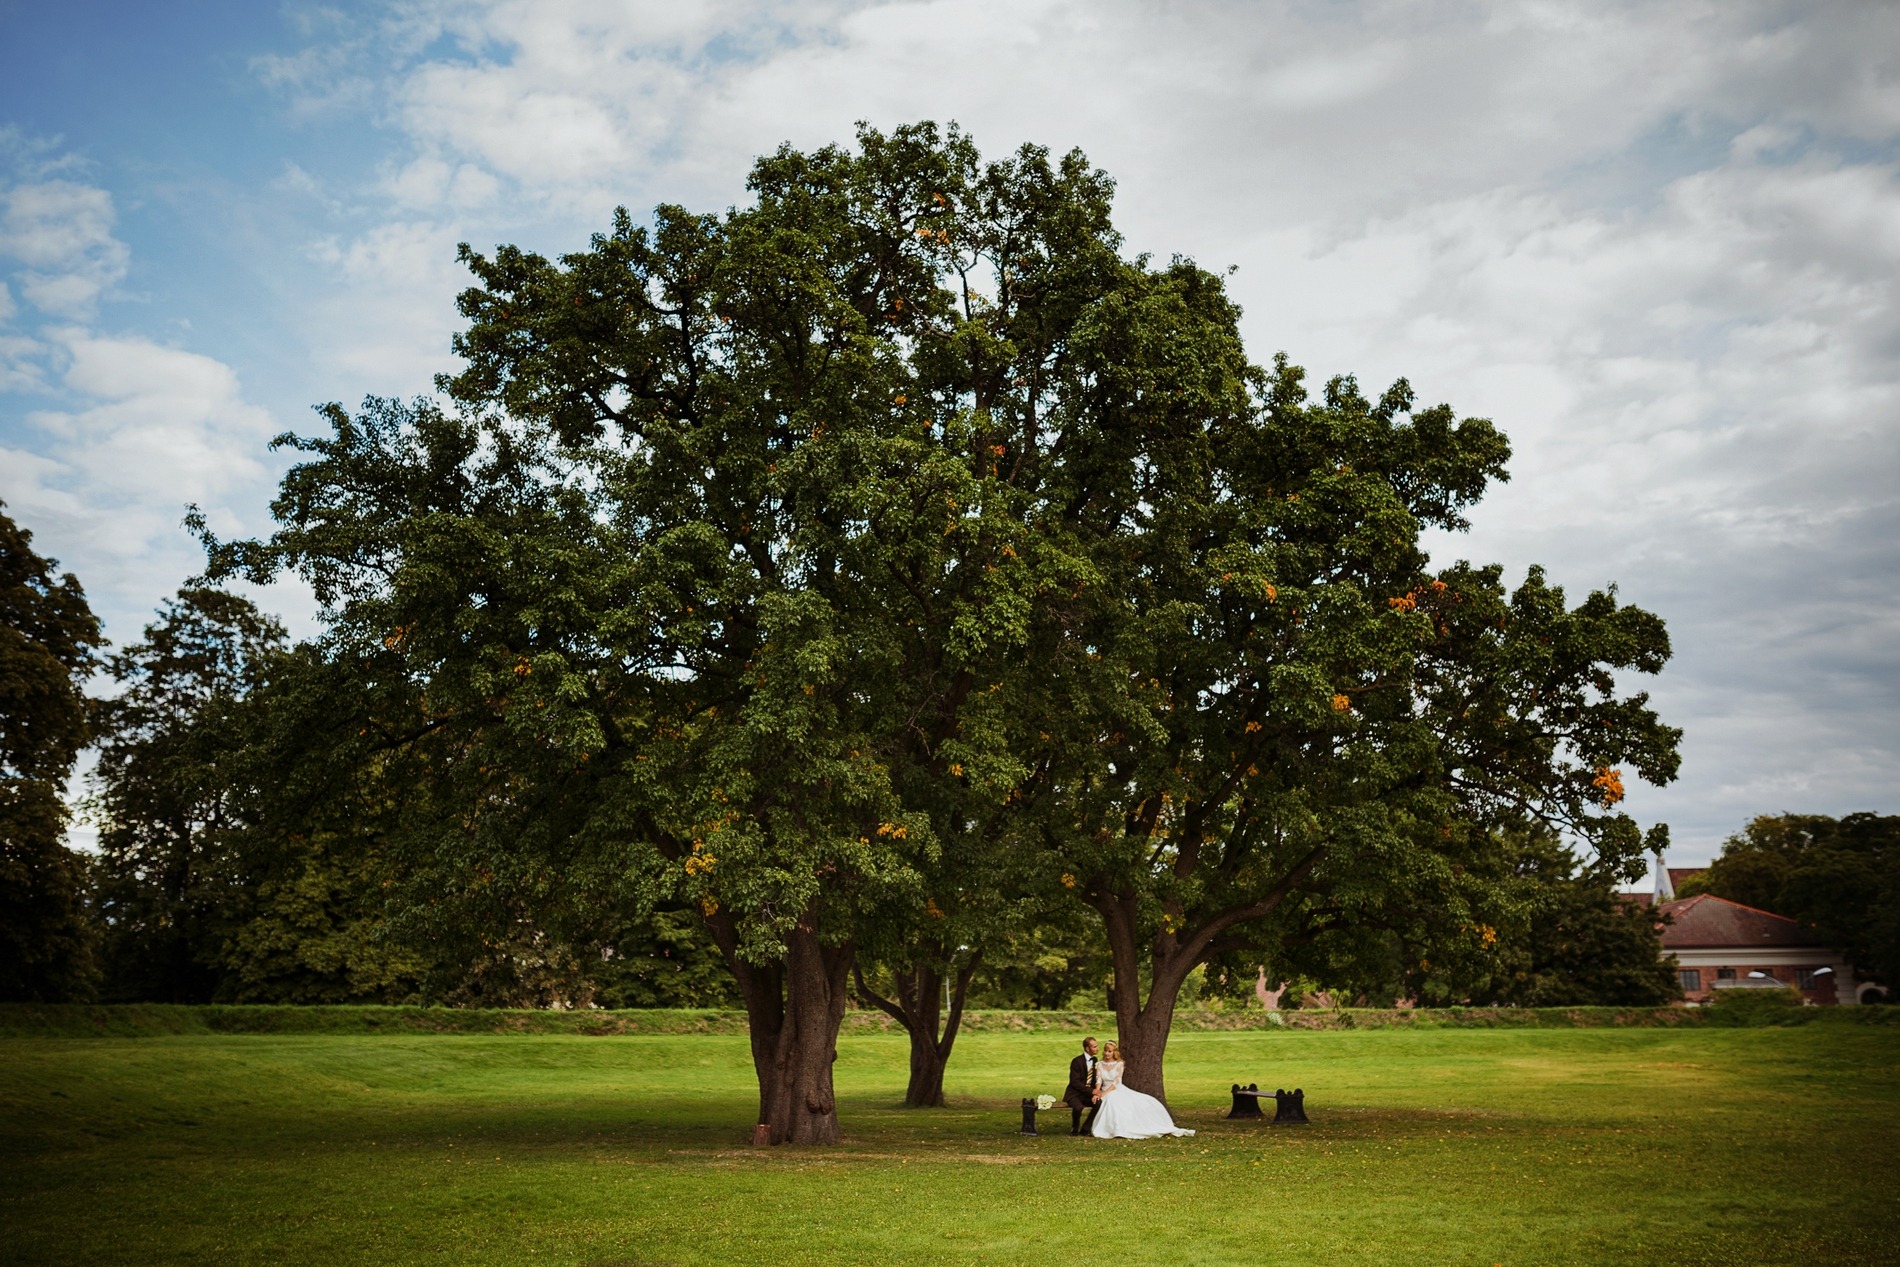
(1658, 244)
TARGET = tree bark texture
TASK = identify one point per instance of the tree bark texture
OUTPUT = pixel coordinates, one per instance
(919, 1009)
(793, 1010)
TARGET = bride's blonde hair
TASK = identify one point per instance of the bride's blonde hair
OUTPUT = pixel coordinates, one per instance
(1111, 1050)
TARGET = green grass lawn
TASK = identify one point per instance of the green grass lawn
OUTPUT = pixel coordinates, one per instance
(1733, 1146)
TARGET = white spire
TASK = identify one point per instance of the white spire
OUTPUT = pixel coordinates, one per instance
(1665, 891)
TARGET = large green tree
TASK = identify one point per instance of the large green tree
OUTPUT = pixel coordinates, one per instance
(1282, 728)
(710, 580)
(867, 561)
(48, 645)
(975, 895)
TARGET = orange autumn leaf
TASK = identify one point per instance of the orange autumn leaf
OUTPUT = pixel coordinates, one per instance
(1609, 785)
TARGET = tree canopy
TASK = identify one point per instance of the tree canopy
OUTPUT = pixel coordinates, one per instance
(866, 565)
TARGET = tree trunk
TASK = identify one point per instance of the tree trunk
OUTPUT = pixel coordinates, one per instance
(1142, 1026)
(927, 1061)
(918, 1008)
(796, 1101)
(1143, 1036)
(793, 1010)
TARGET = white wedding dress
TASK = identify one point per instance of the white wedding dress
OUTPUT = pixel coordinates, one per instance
(1126, 1113)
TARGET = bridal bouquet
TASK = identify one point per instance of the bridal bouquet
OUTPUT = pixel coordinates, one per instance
(1045, 1102)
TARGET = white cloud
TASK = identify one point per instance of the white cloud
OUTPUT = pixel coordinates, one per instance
(104, 438)
(429, 183)
(62, 232)
(20, 363)
(1705, 407)
(107, 479)
(387, 326)
(1309, 110)
(1332, 80)
(167, 426)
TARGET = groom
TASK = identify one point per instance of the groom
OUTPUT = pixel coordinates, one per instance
(1080, 1093)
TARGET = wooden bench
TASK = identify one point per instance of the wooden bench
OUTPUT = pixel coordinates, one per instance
(1289, 1107)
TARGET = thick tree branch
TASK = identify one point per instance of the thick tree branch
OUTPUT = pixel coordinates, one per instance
(1196, 943)
(872, 998)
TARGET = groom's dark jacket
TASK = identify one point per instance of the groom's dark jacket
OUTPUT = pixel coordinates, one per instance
(1078, 1094)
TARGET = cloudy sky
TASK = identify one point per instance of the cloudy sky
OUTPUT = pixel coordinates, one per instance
(1658, 243)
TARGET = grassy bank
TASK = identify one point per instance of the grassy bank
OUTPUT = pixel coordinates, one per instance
(133, 1020)
(1428, 1145)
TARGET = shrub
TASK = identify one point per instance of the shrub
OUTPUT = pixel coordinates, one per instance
(1757, 1007)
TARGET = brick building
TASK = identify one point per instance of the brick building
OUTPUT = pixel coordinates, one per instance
(1722, 945)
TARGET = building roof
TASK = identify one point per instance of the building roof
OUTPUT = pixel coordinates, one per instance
(1707, 920)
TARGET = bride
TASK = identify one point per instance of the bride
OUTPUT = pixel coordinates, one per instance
(1123, 1112)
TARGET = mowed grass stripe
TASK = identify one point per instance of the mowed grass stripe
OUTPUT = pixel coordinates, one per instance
(1439, 1146)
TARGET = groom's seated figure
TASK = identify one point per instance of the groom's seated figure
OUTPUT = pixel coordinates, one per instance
(1080, 1093)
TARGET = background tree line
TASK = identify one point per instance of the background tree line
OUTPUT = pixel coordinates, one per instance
(888, 592)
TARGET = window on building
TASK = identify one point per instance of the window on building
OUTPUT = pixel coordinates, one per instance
(1811, 978)
(1725, 974)
(1691, 979)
